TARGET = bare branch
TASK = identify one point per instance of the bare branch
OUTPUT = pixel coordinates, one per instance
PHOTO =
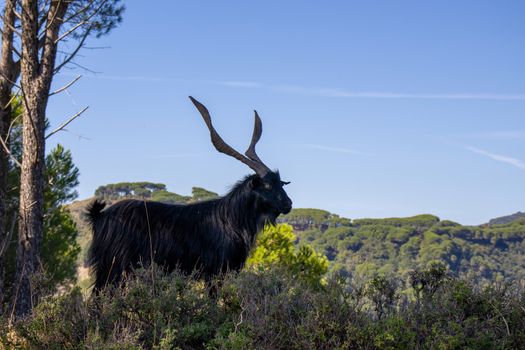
(49, 21)
(16, 51)
(503, 317)
(63, 125)
(66, 86)
(18, 15)
(7, 238)
(71, 30)
(85, 21)
(82, 10)
(11, 126)
(10, 81)
(8, 151)
(67, 53)
(43, 18)
(10, 101)
(10, 26)
(85, 68)
(74, 53)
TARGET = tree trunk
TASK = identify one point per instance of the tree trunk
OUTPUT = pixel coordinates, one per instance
(36, 77)
(5, 114)
(7, 76)
(4, 125)
(30, 234)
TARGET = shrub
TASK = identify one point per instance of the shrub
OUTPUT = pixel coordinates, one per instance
(276, 309)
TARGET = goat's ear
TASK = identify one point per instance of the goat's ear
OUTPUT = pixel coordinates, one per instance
(255, 182)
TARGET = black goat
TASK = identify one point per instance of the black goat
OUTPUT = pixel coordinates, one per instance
(210, 237)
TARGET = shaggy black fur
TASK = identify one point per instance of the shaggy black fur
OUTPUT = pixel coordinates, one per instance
(210, 237)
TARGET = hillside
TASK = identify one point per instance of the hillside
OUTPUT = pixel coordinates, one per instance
(519, 216)
(362, 248)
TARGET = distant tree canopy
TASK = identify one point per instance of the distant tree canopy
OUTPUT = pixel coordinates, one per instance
(129, 189)
(366, 248)
(304, 218)
(422, 220)
(150, 191)
(200, 194)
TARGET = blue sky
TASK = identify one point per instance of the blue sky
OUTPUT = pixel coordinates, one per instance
(370, 108)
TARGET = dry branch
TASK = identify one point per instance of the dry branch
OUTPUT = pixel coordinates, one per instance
(74, 53)
(63, 125)
(5, 243)
(8, 151)
(66, 86)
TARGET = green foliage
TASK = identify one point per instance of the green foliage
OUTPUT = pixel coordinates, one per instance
(129, 189)
(57, 322)
(61, 177)
(316, 216)
(313, 219)
(94, 17)
(395, 246)
(383, 294)
(201, 194)
(59, 247)
(150, 191)
(169, 197)
(427, 282)
(424, 220)
(275, 246)
(272, 309)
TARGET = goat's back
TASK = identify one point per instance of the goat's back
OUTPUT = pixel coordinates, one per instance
(191, 237)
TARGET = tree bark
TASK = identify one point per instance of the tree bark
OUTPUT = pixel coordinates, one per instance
(36, 77)
(39, 37)
(7, 75)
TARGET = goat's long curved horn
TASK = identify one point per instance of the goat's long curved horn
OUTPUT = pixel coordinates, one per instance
(222, 146)
(257, 131)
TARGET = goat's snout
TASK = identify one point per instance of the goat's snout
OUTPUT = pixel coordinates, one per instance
(286, 206)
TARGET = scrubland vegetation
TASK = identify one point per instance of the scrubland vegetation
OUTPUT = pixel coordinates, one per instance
(284, 299)
(271, 308)
(315, 281)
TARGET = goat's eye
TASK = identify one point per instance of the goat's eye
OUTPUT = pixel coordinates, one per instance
(268, 186)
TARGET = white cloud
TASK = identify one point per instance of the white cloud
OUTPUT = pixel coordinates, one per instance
(323, 92)
(499, 158)
(496, 135)
(331, 92)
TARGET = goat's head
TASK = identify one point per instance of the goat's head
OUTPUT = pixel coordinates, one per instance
(266, 184)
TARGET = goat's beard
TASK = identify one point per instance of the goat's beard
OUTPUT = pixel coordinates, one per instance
(271, 219)
(267, 219)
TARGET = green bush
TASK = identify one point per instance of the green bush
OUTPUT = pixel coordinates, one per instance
(275, 309)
